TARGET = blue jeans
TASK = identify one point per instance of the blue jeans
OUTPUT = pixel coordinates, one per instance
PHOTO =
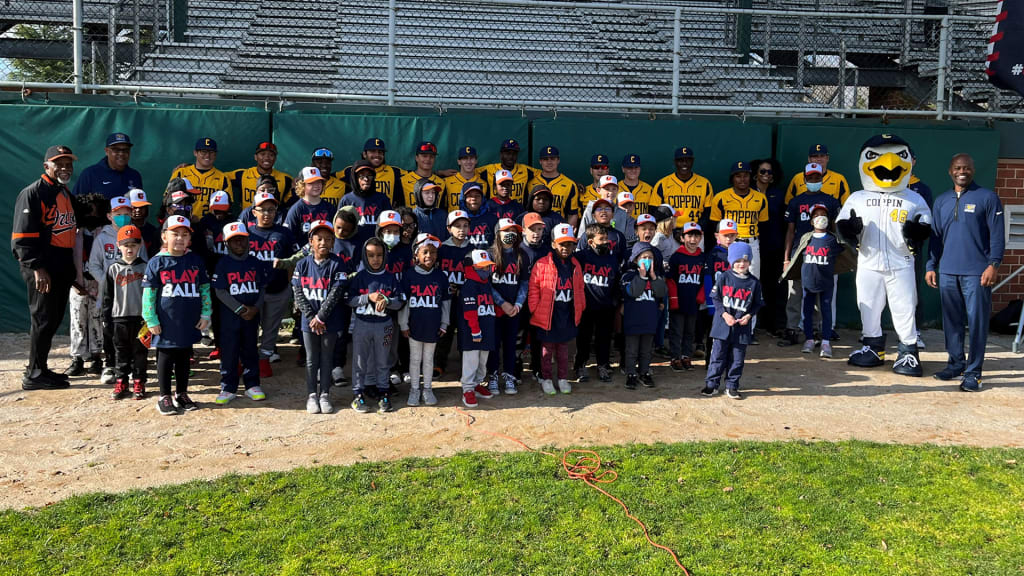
(960, 295)
(505, 350)
(810, 299)
(725, 359)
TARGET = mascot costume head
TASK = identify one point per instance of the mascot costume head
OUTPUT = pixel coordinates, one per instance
(885, 164)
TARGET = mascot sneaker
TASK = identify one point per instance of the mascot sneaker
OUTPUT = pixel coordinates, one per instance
(870, 355)
(907, 362)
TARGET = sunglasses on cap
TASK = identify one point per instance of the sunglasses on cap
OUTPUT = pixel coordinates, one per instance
(322, 153)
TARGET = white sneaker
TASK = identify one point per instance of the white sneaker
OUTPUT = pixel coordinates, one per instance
(224, 397)
(338, 375)
(255, 393)
(547, 387)
(275, 358)
(312, 405)
(808, 346)
(395, 379)
(325, 404)
(108, 376)
(564, 387)
(414, 397)
(407, 379)
(510, 384)
(428, 397)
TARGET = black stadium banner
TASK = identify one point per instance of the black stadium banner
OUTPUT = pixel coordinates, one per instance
(1005, 62)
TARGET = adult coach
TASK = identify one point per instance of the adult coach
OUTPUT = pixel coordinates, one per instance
(685, 190)
(565, 194)
(832, 183)
(246, 180)
(204, 177)
(111, 176)
(43, 240)
(522, 174)
(745, 206)
(965, 251)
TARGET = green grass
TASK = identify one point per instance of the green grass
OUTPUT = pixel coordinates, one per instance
(850, 508)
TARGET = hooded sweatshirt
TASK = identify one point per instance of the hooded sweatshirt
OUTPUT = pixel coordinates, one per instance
(641, 296)
(478, 312)
(481, 225)
(502, 208)
(429, 304)
(369, 207)
(122, 295)
(103, 253)
(367, 281)
(549, 216)
(319, 288)
(432, 219)
(739, 296)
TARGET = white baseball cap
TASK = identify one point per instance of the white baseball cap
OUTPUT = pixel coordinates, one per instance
(502, 175)
(608, 180)
(692, 227)
(234, 229)
(262, 197)
(509, 224)
(814, 168)
(646, 219)
(318, 224)
(176, 221)
(137, 197)
(311, 174)
(118, 202)
(728, 226)
(481, 259)
(220, 201)
(626, 198)
(563, 233)
(428, 239)
(455, 215)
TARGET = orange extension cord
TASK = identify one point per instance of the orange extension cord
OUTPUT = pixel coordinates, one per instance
(587, 468)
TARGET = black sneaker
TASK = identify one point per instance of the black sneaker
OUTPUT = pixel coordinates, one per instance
(708, 391)
(77, 367)
(790, 338)
(42, 382)
(166, 406)
(663, 352)
(647, 380)
(970, 383)
(754, 341)
(47, 373)
(360, 405)
(96, 367)
(183, 402)
(631, 380)
(947, 374)
(384, 404)
(733, 393)
(833, 336)
(604, 373)
(581, 375)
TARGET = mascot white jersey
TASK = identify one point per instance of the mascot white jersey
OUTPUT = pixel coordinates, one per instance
(888, 223)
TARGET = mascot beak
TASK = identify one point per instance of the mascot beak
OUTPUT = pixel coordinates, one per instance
(887, 170)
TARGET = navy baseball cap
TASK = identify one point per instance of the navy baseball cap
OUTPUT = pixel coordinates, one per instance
(630, 161)
(510, 144)
(684, 152)
(599, 160)
(206, 144)
(118, 138)
(549, 152)
(883, 139)
(739, 167)
(426, 147)
(467, 152)
(374, 144)
(817, 149)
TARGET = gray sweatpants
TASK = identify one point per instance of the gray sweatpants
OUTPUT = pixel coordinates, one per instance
(371, 348)
(421, 354)
(275, 306)
(474, 368)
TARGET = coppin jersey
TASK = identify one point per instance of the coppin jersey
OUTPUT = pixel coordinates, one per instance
(565, 194)
(747, 211)
(521, 177)
(882, 246)
(692, 196)
(409, 180)
(453, 189)
(243, 182)
(834, 184)
(643, 193)
(334, 189)
(206, 183)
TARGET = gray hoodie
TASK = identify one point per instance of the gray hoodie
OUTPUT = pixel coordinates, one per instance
(122, 289)
(104, 253)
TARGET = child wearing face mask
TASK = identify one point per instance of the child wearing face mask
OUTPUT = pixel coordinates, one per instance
(816, 277)
(509, 285)
(643, 303)
(398, 261)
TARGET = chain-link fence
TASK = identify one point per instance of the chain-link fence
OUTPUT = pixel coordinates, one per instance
(917, 56)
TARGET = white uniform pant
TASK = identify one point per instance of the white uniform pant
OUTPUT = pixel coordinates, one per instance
(86, 326)
(899, 288)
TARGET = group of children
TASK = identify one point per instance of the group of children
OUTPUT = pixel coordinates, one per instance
(401, 286)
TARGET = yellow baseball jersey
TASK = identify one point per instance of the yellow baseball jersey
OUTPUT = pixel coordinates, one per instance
(747, 211)
(692, 196)
(643, 193)
(565, 194)
(388, 181)
(409, 180)
(244, 182)
(205, 183)
(453, 189)
(834, 184)
(334, 189)
(521, 176)
(588, 195)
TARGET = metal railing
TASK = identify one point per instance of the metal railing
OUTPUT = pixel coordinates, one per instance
(869, 57)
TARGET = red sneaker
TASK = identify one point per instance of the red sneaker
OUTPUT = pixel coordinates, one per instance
(139, 389)
(120, 389)
(266, 371)
(215, 355)
(483, 392)
(469, 399)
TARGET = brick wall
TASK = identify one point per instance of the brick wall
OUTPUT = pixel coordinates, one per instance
(1010, 187)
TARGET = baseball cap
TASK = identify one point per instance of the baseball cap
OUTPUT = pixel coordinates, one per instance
(532, 218)
(118, 202)
(549, 152)
(220, 201)
(508, 224)
(323, 153)
(814, 168)
(360, 165)
(816, 149)
(817, 206)
(375, 144)
(600, 201)
(692, 227)
(608, 180)
(234, 229)
(646, 219)
(182, 185)
(312, 174)
(563, 233)
(137, 197)
(727, 226)
(118, 138)
(388, 218)
(262, 197)
(457, 214)
(270, 146)
(128, 233)
(739, 251)
(481, 259)
(541, 189)
(662, 212)
(630, 161)
(179, 196)
(471, 186)
(429, 239)
(883, 139)
(320, 224)
(599, 160)
(684, 152)
(626, 198)
(58, 151)
(426, 147)
(501, 176)
(510, 144)
(177, 221)
(467, 151)
(206, 144)
(740, 166)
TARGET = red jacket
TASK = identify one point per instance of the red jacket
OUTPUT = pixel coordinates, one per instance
(543, 278)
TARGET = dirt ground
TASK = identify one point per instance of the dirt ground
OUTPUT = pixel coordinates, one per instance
(54, 444)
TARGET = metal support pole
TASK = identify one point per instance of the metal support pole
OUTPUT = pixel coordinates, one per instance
(908, 8)
(801, 38)
(676, 24)
(76, 28)
(940, 83)
(180, 20)
(392, 16)
(743, 32)
(156, 23)
(137, 37)
(112, 45)
(841, 93)
(92, 62)
(767, 39)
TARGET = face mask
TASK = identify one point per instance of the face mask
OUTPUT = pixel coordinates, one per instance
(121, 220)
(813, 186)
(485, 274)
(820, 222)
(390, 240)
(603, 249)
(645, 263)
